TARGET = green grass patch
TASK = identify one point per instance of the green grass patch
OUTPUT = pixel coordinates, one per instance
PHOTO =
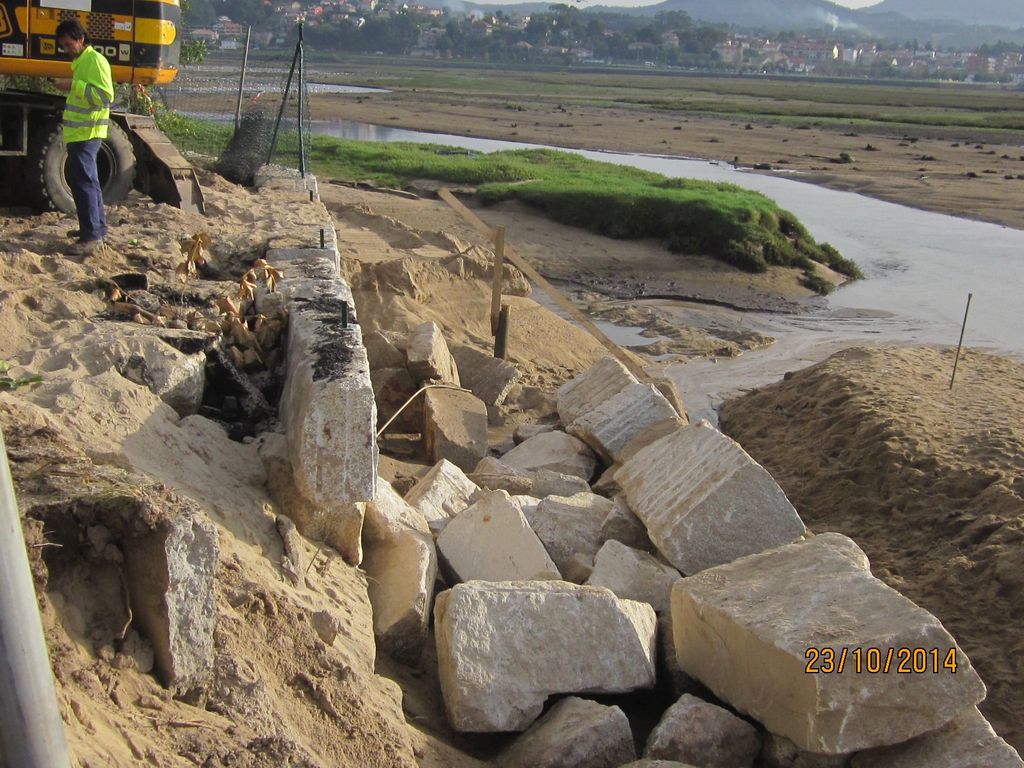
(192, 135)
(739, 226)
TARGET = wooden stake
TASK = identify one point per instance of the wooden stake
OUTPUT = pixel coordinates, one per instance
(499, 272)
(960, 344)
(554, 293)
(501, 334)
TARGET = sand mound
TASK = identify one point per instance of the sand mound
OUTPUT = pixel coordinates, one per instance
(930, 482)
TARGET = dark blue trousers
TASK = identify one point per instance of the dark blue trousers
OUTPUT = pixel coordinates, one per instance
(85, 189)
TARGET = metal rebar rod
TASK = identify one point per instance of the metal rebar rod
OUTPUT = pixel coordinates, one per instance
(241, 82)
(31, 729)
(960, 344)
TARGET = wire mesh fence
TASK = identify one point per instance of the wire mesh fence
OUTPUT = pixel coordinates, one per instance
(238, 114)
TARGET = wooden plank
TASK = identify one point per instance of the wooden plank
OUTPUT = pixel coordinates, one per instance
(554, 293)
(499, 272)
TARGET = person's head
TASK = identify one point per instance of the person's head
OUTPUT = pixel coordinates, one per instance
(71, 37)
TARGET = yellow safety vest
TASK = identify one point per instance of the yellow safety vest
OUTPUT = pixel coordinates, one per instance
(87, 110)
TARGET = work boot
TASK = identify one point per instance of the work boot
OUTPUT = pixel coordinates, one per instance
(84, 247)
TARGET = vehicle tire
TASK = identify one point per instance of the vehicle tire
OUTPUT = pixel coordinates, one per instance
(47, 180)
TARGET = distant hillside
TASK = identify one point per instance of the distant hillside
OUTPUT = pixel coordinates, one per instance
(999, 13)
(778, 14)
(940, 21)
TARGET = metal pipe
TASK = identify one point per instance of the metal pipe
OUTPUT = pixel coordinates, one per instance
(302, 117)
(31, 729)
(284, 102)
(241, 83)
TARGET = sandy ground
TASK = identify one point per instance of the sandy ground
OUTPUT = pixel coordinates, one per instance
(928, 169)
(872, 443)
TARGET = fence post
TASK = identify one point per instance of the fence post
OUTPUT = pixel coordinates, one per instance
(31, 729)
(241, 82)
(499, 272)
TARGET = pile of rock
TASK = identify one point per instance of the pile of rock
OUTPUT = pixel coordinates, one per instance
(452, 419)
(554, 589)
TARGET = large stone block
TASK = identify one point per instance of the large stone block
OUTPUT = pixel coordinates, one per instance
(574, 733)
(695, 731)
(400, 575)
(389, 515)
(454, 427)
(966, 742)
(625, 527)
(633, 575)
(492, 541)
(428, 358)
(327, 404)
(754, 632)
(489, 378)
(176, 378)
(383, 350)
(704, 500)
(504, 647)
(548, 483)
(570, 525)
(524, 432)
(613, 424)
(170, 574)
(339, 525)
(587, 391)
(556, 451)
(495, 475)
(443, 492)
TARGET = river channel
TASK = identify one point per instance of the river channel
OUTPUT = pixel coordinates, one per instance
(919, 268)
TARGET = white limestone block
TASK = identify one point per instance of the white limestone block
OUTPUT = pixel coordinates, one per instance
(454, 427)
(388, 515)
(570, 525)
(613, 424)
(555, 451)
(587, 391)
(401, 574)
(698, 732)
(966, 742)
(504, 647)
(574, 733)
(428, 357)
(750, 631)
(443, 492)
(327, 404)
(492, 541)
(633, 575)
(704, 501)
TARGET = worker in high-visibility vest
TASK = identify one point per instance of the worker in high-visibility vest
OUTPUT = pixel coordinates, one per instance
(85, 121)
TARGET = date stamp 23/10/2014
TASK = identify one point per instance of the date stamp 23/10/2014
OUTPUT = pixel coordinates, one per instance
(874, 661)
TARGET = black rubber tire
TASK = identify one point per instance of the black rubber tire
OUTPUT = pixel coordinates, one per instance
(48, 186)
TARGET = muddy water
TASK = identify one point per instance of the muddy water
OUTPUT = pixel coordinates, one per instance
(919, 268)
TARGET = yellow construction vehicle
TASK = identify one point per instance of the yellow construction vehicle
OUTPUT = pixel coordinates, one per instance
(141, 39)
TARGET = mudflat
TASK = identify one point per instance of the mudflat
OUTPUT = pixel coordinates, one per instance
(905, 144)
